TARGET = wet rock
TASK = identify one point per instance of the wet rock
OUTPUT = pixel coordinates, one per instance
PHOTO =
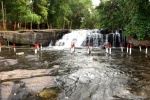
(21, 88)
(126, 94)
(27, 88)
(8, 62)
(37, 84)
(6, 89)
(32, 57)
(19, 74)
(56, 66)
(50, 94)
(95, 82)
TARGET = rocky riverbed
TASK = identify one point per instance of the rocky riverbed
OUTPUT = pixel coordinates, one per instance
(59, 75)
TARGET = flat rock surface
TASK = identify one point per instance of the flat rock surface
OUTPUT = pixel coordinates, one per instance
(20, 74)
(23, 83)
(8, 62)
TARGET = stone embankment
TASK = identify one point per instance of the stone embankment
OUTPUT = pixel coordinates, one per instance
(30, 37)
(136, 42)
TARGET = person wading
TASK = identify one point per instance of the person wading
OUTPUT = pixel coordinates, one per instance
(72, 48)
(89, 49)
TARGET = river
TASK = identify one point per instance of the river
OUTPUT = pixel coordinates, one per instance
(59, 75)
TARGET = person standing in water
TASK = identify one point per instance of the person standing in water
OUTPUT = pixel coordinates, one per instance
(89, 49)
(72, 47)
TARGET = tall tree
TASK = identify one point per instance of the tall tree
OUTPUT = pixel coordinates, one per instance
(58, 13)
(3, 15)
(15, 10)
(40, 8)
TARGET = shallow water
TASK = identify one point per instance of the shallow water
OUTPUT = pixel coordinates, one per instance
(77, 76)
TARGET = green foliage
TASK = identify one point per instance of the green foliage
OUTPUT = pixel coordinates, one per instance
(139, 27)
(140, 20)
(56, 13)
(111, 15)
(31, 18)
(40, 8)
(69, 13)
(16, 9)
(131, 15)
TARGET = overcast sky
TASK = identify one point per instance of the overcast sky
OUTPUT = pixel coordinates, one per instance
(95, 2)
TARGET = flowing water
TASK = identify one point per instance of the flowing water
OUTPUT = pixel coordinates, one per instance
(56, 74)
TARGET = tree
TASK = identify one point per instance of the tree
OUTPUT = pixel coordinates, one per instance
(55, 13)
(59, 12)
(140, 18)
(16, 9)
(69, 13)
(40, 8)
(3, 15)
(110, 14)
(80, 10)
(91, 20)
(131, 15)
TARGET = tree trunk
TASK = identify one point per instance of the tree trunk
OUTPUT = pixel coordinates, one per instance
(70, 27)
(48, 27)
(51, 26)
(15, 26)
(5, 19)
(64, 24)
(38, 26)
(20, 23)
(31, 25)
(3, 14)
(18, 26)
(25, 25)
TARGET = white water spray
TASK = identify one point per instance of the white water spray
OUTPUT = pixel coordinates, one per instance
(81, 38)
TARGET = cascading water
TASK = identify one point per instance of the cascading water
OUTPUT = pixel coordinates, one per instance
(94, 38)
(83, 38)
(75, 36)
(117, 39)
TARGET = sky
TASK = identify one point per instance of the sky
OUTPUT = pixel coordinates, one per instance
(95, 2)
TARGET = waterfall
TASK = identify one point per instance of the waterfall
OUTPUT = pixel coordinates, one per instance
(116, 38)
(82, 38)
(95, 38)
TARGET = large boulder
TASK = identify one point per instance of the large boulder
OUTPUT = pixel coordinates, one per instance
(31, 37)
